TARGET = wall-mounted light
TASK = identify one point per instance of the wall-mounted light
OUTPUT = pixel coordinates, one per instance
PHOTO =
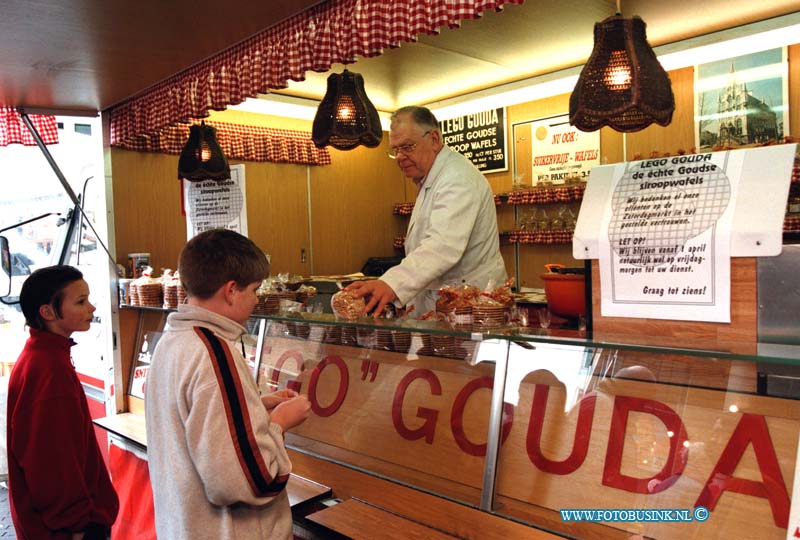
(201, 157)
(346, 118)
(622, 85)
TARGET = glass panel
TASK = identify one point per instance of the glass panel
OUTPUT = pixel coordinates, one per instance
(409, 406)
(636, 432)
(150, 325)
(709, 350)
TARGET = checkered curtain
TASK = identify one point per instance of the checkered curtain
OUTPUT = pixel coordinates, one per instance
(14, 131)
(336, 31)
(248, 143)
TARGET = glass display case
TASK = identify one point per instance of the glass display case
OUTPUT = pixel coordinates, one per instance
(582, 435)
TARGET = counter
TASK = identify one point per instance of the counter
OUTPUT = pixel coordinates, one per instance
(494, 433)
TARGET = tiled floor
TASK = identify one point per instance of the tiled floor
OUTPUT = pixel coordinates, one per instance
(6, 527)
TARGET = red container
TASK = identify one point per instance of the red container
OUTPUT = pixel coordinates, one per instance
(565, 290)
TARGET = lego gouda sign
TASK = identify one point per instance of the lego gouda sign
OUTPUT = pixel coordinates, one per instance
(481, 137)
(622, 444)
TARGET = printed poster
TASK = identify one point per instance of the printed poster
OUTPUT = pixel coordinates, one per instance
(742, 101)
(560, 151)
(216, 205)
(665, 238)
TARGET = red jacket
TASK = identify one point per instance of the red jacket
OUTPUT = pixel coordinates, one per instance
(58, 481)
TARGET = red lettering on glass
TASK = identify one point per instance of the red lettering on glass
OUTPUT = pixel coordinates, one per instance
(277, 369)
(752, 428)
(580, 444)
(344, 382)
(428, 427)
(678, 452)
(457, 417)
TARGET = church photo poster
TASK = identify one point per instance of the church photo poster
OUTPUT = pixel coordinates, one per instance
(742, 101)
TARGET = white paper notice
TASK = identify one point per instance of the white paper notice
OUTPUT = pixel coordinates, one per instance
(216, 205)
(665, 238)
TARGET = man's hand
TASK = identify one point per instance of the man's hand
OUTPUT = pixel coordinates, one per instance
(273, 399)
(379, 294)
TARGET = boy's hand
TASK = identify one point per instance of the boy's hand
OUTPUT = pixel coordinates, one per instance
(292, 412)
(273, 399)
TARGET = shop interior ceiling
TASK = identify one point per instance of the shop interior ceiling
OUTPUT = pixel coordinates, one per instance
(92, 54)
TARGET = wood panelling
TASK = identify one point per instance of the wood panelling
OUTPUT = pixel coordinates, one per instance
(277, 214)
(360, 521)
(532, 259)
(147, 207)
(351, 208)
(453, 518)
(678, 135)
(794, 90)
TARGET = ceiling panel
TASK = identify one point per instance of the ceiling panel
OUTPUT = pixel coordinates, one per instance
(92, 54)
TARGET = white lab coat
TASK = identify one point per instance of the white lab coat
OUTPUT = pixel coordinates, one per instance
(452, 235)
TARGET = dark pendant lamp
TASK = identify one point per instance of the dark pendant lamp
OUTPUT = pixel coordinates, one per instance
(622, 85)
(201, 157)
(346, 118)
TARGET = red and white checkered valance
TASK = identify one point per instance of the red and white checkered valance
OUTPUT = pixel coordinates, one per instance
(332, 32)
(248, 143)
(14, 131)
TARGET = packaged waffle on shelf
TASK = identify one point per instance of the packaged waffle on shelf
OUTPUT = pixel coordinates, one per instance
(148, 289)
(454, 303)
(270, 294)
(305, 292)
(169, 287)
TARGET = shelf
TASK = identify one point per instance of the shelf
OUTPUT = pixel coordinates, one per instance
(782, 353)
(543, 238)
(548, 195)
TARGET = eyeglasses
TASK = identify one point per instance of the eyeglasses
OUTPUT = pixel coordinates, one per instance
(405, 149)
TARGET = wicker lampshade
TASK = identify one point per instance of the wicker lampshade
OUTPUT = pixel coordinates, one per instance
(346, 117)
(201, 157)
(622, 85)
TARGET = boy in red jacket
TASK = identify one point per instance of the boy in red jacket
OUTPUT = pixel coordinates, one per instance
(58, 483)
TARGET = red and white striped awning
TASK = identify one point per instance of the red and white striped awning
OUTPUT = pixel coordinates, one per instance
(247, 143)
(14, 131)
(336, 31)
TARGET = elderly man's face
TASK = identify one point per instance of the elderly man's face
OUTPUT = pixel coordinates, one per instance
(416, 148)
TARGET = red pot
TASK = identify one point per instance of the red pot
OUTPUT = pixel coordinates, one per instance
(565, 289)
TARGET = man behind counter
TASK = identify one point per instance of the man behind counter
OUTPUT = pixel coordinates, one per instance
(452, 234)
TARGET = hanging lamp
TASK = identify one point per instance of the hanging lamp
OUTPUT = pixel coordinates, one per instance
(622, 85)
(201, 157)
(346, 118)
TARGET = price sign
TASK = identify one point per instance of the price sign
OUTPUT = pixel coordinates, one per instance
(481, 137)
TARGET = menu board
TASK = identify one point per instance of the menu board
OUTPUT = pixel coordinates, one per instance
(481, 137)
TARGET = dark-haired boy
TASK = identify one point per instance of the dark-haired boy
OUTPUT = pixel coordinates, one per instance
(58, 483)
(218, 465)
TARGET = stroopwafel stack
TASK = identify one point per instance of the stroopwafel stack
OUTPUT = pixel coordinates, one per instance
(383, 340)
(401, 341)
(171, 294)
(150, 294)
(489, 315)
